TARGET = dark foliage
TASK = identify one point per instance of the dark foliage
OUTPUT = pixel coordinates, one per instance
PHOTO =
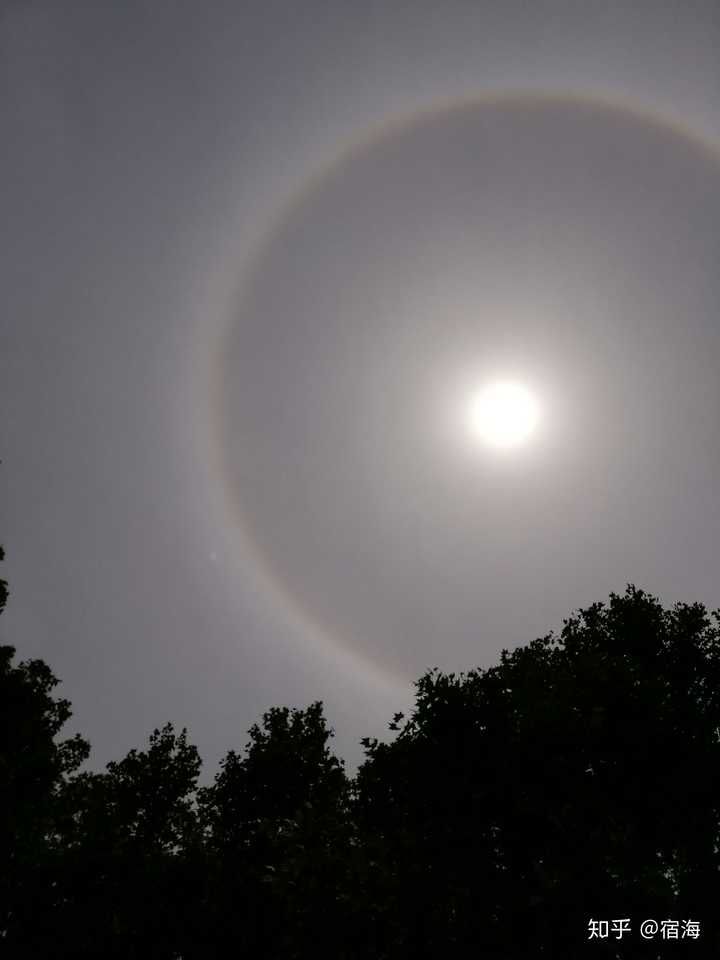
(276, 836)
(576, 779)
(34, 768)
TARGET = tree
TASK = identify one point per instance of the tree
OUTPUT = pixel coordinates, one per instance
(34, 767)
(91, 864)
(578, 778)
(125, 884)
(277, 839)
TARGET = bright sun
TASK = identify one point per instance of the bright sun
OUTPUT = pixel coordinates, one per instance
(503, 414)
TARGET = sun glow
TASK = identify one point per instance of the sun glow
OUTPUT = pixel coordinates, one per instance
(503, 414)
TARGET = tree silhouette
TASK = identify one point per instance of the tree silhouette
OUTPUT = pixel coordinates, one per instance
(577, 779)
(277, 831)
(124, 881)
(33, 770)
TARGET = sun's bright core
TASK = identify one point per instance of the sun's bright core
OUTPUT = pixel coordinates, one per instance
(503, 414)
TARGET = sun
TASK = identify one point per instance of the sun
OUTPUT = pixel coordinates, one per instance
(503, 414)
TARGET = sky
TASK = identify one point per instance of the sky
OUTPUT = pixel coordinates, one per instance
(256, 260)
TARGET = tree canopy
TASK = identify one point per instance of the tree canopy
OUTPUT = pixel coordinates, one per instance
(575, 780)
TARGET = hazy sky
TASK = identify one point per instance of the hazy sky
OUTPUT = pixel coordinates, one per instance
(256, 257)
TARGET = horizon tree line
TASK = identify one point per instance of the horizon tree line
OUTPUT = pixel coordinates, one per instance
(574, 782)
